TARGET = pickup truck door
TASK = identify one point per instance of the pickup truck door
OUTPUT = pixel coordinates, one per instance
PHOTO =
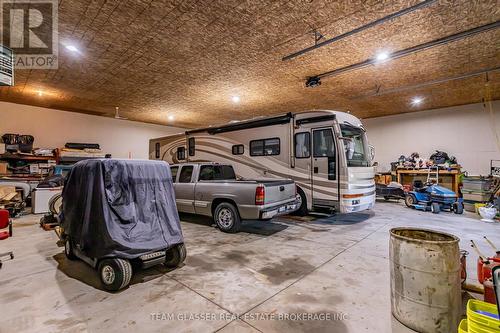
(184, 189)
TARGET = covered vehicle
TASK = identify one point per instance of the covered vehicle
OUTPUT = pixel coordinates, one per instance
(119, 213)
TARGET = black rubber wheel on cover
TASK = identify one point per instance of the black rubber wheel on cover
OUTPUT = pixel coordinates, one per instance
(302, 211)
(410, 200)
(227, 218)
(435, 208)
(68, 249)
(115, 273)
(458, 208)
(175, 255)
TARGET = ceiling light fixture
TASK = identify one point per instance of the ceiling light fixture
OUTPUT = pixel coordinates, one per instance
(382, 56)
(235, 99)
(313, 82)
(171, 117)
(71, 48)
(417, 101)
(39, 93)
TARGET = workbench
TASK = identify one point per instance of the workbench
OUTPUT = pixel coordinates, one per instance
(447, 178)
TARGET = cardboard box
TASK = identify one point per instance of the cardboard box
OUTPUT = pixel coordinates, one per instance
(7, 192)
(3, 167)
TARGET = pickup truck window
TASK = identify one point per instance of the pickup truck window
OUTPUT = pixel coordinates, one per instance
(217, 172)
(186, 174)
(174, 170)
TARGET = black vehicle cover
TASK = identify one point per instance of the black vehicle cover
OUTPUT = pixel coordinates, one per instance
(121, 208)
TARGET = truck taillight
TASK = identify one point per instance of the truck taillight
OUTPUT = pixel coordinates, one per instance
(260, 195)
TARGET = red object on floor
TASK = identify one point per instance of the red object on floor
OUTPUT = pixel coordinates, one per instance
(5, 222)
(489, 292)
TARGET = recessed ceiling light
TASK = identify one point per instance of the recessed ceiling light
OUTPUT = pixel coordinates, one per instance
(171, 117)
(382, 56)
(235, 99)
(71, 48)
(417, 100)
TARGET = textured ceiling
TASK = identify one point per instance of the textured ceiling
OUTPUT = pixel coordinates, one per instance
(188, 58)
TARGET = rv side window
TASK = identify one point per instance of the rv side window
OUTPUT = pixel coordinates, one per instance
(303, 145)
(191, 146)
(174, 170)
(181, 153)
(238, 149)
(267, 147)
(186, 173)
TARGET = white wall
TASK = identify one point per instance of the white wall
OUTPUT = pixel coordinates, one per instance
(469, 132)
(53, 128)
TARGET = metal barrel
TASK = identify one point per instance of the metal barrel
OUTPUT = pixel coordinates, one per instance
(425, 279)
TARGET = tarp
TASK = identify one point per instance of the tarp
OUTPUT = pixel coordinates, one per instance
(122, 208)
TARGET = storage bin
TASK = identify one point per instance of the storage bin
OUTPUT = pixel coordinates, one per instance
(462, 328)
(476, 184)
(476, 196)
(480, 323)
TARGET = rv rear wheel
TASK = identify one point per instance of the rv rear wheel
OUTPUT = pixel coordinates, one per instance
(175, 256)
(68, 249)
(227, 218)
(115, 273)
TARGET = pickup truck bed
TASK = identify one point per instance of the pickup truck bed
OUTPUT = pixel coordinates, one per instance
(201, 191)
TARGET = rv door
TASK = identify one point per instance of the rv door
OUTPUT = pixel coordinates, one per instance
(324, 169)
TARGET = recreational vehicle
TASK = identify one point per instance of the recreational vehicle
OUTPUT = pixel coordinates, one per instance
(325, 152)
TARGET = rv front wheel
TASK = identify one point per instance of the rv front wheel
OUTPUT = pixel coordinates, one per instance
(115, 273)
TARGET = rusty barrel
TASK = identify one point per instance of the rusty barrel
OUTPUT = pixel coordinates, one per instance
(425, 279)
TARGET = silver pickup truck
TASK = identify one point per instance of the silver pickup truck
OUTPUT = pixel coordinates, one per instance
(212, 189)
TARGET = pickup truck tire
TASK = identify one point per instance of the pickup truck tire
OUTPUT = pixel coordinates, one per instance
(227, 218)
(302, 211)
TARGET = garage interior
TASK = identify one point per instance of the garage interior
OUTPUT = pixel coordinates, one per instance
(391, 227)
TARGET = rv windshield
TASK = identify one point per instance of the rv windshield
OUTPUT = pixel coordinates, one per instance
(356, 149)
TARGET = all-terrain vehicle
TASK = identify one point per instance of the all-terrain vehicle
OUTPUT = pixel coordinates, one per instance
(120, 215)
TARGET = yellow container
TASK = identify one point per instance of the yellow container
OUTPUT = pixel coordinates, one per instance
(479, 323)
(477, 206)
(462, 328)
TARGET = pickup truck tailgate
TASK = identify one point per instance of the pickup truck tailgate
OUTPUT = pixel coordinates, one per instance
(278, 191)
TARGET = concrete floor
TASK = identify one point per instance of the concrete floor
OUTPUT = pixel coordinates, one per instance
(335, 265)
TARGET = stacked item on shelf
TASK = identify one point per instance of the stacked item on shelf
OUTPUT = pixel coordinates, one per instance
(477, 190)
(74, 152)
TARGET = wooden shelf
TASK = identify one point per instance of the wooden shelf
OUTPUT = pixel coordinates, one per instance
(21, 157)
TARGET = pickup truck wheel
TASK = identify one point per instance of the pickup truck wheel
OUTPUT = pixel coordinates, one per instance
(175, 256)
(227, 218)
(302, 211)
(115, 273)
